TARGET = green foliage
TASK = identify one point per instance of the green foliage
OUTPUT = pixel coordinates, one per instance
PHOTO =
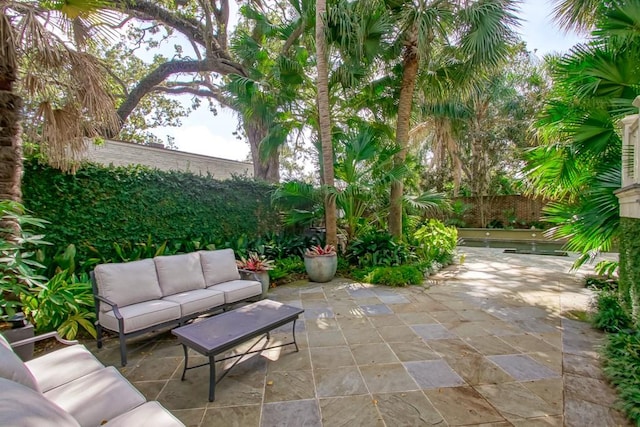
(65, 304)
(377, 248)
(434, 241)
(621, 361)
(110, 211)
(401, 275)
(283, 245)
(18, 267)
(286, 267)
(601, 283)
(458, 211)
(610, 316)
(579, 163)
(629, 267)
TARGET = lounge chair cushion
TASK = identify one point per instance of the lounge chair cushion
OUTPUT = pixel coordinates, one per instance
(236, 290)
(13, 368)
(179, 273)
(128, 283)
(197, 301)
(142, 315)
(25, 407)
(62, 366)
(151, 414)
(97, 397)
(219, 266)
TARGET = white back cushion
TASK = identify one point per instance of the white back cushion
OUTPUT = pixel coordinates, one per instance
(219, 266)
(179, 273)
(128, 283)
(21, 406)
(14, 369)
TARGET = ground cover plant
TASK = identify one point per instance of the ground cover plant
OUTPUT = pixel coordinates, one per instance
(621, 351)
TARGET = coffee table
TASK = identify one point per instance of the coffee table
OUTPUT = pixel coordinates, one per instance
(225, 331)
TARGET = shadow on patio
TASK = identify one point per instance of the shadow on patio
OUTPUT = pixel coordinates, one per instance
(484, 343)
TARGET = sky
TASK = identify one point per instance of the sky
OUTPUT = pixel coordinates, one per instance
(203, 133)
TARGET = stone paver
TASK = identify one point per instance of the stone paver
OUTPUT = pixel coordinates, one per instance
(483, 343)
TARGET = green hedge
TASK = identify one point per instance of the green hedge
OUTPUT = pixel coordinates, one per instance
(629, 284)
(101, 205)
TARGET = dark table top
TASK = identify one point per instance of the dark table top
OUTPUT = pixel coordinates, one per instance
(227, 330)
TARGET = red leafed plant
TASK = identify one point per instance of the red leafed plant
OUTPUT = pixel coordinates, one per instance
(318, 250)
(255, 262)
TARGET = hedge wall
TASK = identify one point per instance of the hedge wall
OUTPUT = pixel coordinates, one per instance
(101, 205)
(629, 284)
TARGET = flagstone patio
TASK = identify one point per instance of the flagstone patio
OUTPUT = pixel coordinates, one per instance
(483, 343)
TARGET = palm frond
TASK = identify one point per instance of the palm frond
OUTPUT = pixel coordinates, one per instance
(429, 201)
(576, 15)
(490, 30)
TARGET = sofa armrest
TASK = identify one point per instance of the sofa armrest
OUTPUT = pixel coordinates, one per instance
(112, 304)
(41, 337)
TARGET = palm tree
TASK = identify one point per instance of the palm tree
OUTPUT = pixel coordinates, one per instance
(579, 165)
(472, 34)
(67, 84)
(324, 121)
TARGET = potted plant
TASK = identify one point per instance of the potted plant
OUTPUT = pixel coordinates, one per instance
(321, 263)
(257, 266)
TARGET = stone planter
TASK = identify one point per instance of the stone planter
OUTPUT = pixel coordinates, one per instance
(14, 334)
(321, 268)
(261, 276)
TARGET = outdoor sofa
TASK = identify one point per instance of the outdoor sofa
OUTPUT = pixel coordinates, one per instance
(137, 297)
(70, 387)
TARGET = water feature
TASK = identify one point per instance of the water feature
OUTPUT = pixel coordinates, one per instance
(531, 247)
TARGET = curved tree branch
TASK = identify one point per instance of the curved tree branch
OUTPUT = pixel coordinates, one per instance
(164, 70)
(150, 11)
(183, 90)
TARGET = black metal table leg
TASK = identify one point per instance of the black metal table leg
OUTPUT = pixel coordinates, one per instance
(186, 359)
(212, 378)
(294, 335)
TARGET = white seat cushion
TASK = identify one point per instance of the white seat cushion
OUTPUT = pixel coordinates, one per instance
(219, 266)
(179, 273)
(197, 301)
(151, 414)
(142, 315)
(13, 368)
(62, 366)
(237, 290)
(97, 397)
(25, 407)
(127, 283)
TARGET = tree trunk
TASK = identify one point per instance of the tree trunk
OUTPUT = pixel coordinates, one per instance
(10, 129)
(409, 76)
(324, 121)
(269, 169)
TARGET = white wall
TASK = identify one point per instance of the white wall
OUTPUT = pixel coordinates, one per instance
(118, 153)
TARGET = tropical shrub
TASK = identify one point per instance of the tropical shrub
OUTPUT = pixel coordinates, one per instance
(285, 267)
(578, 164)
(18, 265)
(319, 250)
(66, 304)
(601, 283)
(397, 276)
(255, 262)
(434, 241)
(621, 362)
(609, 314)
(458, 211)
(284, 245)
(377, 248)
